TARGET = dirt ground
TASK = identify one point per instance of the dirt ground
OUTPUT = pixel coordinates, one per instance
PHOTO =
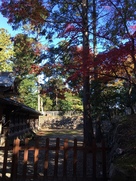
(60, 132)
(63, 134)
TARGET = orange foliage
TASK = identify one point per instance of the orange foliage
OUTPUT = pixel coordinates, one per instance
(25, 11)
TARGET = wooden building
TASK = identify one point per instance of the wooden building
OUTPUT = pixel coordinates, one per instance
(16, 119)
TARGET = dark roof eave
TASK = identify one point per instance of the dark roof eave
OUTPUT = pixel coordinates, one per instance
(18, 106)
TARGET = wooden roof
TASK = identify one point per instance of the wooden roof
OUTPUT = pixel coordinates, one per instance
(9, 105)
(7, 83)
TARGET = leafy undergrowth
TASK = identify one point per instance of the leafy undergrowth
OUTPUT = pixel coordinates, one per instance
(127, 162)
(126, 139)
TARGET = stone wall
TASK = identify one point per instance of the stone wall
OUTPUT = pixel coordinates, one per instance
(61, 122)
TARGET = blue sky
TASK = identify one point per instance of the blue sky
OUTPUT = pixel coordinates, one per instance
(5, 25)
(8, 27)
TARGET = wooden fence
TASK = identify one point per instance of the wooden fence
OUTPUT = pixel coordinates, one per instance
(67, 161)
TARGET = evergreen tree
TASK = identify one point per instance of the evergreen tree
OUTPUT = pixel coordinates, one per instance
(28, 92)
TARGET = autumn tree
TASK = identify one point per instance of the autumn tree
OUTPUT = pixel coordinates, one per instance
(117, 62)
(6, 52)
(23, 12)
(120, 38)
(74, 26)
(27, 51)
(82, 23)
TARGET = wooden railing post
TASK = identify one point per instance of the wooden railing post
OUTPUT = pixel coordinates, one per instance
(46, 162)
(56, 158)
(84, 161)
(15, 155)
(75, 158)
(94, 150)
(5, 159)
(88, 153)
(36, 154)
(65, 158)
(104, 160)
(25, 159)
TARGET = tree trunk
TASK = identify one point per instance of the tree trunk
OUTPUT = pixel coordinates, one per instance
(94, 16)
(88, 128)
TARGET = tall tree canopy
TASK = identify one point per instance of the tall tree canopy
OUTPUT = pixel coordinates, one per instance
(27, 51)
(24, 12)
(119, 34)
(6, 52)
